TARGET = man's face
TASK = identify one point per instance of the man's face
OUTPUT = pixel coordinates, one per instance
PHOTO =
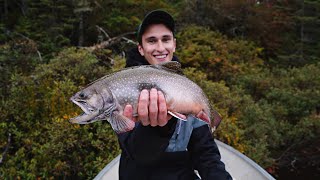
(158, 44)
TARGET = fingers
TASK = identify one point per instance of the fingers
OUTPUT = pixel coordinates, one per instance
(128, 112)
(153, 107)
(143, 106)
(163, 112)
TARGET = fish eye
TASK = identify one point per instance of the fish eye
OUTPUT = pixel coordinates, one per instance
(82, 95)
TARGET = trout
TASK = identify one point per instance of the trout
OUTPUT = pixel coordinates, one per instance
(105, 98)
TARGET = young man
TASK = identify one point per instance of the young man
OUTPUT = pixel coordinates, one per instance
(162, 147)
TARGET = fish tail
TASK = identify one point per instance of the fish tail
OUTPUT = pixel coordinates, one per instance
(217, 118)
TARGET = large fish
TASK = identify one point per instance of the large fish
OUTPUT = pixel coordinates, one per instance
(106, 98)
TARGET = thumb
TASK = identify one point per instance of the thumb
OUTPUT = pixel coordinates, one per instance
(128, 112)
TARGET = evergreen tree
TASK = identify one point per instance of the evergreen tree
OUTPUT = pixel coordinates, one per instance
(303, 45)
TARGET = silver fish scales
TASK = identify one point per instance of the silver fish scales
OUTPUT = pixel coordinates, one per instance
(106, 98)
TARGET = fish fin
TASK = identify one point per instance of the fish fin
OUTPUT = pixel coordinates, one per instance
(120, 123)
(203, 117)
(217, 118)
(172, 66)
(174, 114)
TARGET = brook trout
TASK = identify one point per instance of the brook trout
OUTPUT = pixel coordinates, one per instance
(106, 98)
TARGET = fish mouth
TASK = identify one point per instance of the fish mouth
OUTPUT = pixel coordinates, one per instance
(88, 116)
(86, 108)
(84, 118)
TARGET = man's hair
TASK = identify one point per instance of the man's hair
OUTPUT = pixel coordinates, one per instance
(155, 17)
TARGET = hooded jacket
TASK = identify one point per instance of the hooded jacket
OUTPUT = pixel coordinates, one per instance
(171, 152)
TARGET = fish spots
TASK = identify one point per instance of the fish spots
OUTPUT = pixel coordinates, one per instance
(182, 95)
(148, 86)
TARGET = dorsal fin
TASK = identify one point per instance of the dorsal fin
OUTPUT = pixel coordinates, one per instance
(172, 66)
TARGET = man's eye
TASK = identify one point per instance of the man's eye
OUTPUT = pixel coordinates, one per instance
(166, 40)
(152, 41)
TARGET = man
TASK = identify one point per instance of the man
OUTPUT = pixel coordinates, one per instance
(161, 146)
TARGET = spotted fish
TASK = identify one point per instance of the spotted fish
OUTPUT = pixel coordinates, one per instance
(106, 98)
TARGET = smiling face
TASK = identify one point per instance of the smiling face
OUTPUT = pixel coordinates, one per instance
(158, 44)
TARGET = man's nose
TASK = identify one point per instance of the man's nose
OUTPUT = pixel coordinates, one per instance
(160, 46)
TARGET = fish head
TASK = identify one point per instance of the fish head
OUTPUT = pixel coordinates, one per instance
(96, 103)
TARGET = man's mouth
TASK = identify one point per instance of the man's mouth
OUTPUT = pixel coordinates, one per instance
(163, 56)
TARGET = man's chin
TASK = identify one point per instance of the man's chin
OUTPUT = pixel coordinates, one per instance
(163, 60)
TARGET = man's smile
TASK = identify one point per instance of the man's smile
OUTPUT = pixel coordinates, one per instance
(160, 56)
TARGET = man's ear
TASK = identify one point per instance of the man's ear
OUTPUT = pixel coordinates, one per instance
(140, 49)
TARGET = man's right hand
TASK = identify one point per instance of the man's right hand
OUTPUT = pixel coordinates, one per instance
(152, 109)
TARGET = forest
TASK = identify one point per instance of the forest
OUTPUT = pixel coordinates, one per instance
(258, 61)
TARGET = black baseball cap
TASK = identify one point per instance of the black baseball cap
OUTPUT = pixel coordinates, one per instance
(156, 17)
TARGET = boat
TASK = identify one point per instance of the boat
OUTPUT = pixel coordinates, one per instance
(237, 164)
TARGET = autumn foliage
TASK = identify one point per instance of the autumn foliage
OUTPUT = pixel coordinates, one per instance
(258, 62)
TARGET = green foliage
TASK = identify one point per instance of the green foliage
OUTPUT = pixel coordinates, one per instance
(286, 106)
(44, 143)
(269, 108)
(17, 56)
(51, 30)
(216, 55)
(223, 101)
(261, 108)
(288, 31)
(240, 114)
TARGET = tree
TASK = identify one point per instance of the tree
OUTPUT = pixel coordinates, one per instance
(216, 55)
(303, 46)
(44, 143)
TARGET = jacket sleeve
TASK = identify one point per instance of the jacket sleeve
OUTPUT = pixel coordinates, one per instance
(206, 156)
(144, 144)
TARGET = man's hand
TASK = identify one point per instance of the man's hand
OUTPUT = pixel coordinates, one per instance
(152, 109)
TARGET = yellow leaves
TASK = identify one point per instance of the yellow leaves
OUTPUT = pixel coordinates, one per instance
(76, 126)
(233, 119)
(229, 131)
(65, 119)
(58, 120)
(235, 141)
(69, 116)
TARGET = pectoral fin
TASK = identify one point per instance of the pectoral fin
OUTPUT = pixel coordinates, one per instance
(120, 123)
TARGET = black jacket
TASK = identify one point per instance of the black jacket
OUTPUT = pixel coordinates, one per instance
(171, 152)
